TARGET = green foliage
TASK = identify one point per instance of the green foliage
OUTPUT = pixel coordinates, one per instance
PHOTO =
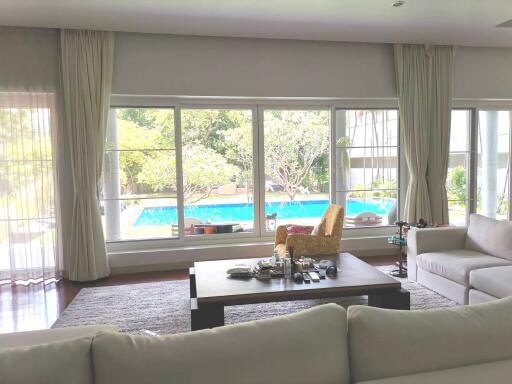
(456, 184)
(380, 186)
(295, 142)
(218, 148)
(26, 168)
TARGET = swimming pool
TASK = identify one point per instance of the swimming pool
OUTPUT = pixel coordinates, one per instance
(220, 213)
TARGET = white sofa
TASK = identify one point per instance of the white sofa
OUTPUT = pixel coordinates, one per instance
(322, 345)
(466, 264)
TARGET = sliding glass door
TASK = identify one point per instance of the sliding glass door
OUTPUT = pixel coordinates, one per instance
(215, 172)
(217, 152)
(367, 157)
(139, 194)
(458, 178)
(493, 170)
(296, 166)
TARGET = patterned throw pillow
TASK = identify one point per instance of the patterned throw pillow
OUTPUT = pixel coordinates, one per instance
(299, 229)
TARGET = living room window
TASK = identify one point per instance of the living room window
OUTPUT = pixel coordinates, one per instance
(217, 171)
(217, 152)
(366, 166)
(457, 181)
(139, 194)
(493, 159)
(296, 166)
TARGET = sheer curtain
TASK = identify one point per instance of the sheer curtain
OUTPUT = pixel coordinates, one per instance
(29, 92)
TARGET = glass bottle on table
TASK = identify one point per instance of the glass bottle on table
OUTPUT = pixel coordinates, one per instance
(287, 266)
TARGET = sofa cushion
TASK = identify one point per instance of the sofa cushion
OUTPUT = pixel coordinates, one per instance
(61, 362)
(495, 372)
(388, 343)
(495, 281)
(306, 347)
(456, 264)
(44, 336)
(490, 236)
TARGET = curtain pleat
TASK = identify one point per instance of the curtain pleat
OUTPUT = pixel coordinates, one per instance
(439, 154)
(424, 77)
(87, 63)
(413, 81)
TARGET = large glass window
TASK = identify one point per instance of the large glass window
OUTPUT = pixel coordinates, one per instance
(367, 166)
(296, 153)
(139, 195)
(217, 148)
(201, 174)
(457, 181)
(493, 163)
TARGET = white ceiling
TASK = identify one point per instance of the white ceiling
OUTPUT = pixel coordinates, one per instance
(459, 22)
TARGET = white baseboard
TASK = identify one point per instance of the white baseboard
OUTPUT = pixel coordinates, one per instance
(180, 258)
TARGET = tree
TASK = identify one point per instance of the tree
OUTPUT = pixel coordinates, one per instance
(456, 184)
(295, 141)
(238, 144)
(203, 169)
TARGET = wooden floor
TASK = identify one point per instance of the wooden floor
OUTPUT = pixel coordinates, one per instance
(37, 306)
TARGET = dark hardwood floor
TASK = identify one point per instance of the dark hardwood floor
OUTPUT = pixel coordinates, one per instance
(37, 306)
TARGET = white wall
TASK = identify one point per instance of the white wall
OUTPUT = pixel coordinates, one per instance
(147, 64)
(483, 73)
(29, 59)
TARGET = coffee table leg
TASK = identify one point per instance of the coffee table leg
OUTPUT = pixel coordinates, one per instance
(192, 280)
(399, 299)
(206, 315)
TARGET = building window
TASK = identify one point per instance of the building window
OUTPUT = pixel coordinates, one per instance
(296, 158)
(139, 195)
(217, 150)
(457, 180)
(493, 163)
(366, 171)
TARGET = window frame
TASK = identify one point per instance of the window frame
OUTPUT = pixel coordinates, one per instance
(261, 163)
(477, 105)
(401, 180)
(257, 106)
(471, 151)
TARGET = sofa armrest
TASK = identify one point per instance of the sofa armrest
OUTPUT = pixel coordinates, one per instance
(44, 336)
(435, 239)
(281, 234)
(423, 240)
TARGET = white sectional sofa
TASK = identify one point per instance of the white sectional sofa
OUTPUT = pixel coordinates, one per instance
(466, 264)
(322, 345)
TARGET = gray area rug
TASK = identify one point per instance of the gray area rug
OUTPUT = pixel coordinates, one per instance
(163, 307)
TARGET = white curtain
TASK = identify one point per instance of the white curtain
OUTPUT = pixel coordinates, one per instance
(413, 84)
(441, 95)
(87, 63)
(30, 248)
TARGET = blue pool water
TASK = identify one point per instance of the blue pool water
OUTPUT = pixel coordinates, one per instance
(219, 213)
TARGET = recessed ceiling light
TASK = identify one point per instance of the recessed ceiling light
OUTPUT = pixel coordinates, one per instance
(398, 3)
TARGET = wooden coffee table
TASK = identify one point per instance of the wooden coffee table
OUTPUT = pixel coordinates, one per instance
(211, 289)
